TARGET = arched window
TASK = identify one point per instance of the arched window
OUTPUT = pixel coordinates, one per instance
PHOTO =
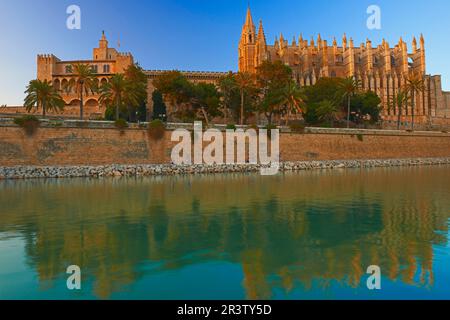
(393, 61)
(68, 69)
(106, 68)
(94, 68)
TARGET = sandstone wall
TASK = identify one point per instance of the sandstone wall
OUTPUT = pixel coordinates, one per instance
(89, 146)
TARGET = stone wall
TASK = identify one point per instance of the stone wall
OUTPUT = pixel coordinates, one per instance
(103, 146)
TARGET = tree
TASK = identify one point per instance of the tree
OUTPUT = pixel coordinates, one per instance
(230, 95)
(365, 105)
(84, 82)
(159, 107)
(205, 99)
(244, 82)
(349, 86)
(414, 85)
(177, 90)
(399, 101)
(41, 94)
(198, 99)
(272, 79)
(324, 89)
(292, 97)
(117, 91)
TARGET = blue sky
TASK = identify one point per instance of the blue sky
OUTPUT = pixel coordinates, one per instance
(201, 34)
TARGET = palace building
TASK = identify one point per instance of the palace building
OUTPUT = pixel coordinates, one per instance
(381, 69)
(105, 62)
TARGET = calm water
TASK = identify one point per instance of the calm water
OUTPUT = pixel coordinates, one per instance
(309, 235)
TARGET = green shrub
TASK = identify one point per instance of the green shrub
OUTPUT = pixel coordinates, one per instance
(297, 127)
(360, 137)
(231, 127)
(81, 124)
(29, 123)
(156, 129)
(121, 124)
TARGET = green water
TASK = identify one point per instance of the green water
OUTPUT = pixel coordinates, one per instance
(308, 235)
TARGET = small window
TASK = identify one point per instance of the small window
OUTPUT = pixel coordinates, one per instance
(69, 69)
(106, 68)
(94, 68)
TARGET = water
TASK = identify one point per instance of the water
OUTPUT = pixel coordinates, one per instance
(308, 235)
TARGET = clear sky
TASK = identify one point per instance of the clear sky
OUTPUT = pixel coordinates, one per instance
(201, 34)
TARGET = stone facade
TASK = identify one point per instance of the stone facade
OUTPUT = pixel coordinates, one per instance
(381, 69)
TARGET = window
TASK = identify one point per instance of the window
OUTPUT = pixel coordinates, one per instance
(106, 68)
(94, 68)
(69, 69)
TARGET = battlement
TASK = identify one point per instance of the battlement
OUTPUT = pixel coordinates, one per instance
(48, 57)
(124, 54)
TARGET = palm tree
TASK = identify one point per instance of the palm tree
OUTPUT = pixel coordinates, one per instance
(414, 84)
(41, 94)
(398, 101)
(293, 98)
(118, 91)
(349, 86)
(244, 81)
(84, 82)
(327, 111)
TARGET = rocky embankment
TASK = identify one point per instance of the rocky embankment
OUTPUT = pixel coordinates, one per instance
(34, 172)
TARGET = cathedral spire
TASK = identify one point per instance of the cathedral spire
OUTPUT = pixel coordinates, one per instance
(261, 35)
(249, 19)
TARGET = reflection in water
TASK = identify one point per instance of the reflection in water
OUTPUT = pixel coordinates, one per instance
(304, 231)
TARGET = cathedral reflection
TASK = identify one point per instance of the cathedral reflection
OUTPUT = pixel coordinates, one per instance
(296, 230)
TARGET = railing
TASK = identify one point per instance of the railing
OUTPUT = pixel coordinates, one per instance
(91, 124)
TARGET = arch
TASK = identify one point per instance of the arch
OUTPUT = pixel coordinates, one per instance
(57, 84)
(93, 103)
(74, 103)
(72, 85)
(64, 84)
(103, 81)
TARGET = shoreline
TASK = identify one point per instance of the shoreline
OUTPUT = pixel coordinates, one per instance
(64, 172)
